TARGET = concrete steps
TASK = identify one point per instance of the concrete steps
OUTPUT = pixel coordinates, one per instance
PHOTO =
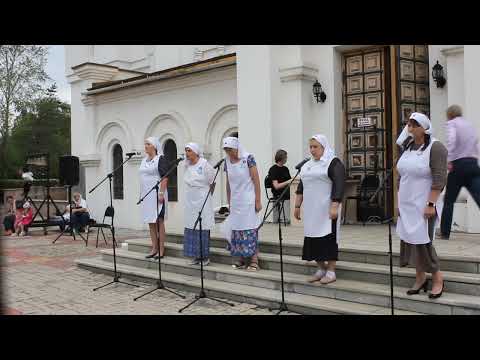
(343, 289)
(457, 282)
(299, 303)
(362, 286)
(464, 264)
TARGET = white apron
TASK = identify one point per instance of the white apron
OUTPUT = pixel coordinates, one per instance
(415, 187)
(242, 196)
(317, 189)
(148, 177)
(197, 179)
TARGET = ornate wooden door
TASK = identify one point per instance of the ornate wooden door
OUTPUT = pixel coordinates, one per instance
(367, 97)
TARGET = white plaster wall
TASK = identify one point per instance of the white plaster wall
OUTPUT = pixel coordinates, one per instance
(182, 113)
(472, 112)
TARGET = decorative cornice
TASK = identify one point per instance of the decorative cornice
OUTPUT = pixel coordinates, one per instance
(98, 72)
(221, 74)
(91, 160)
(88, 100)
(453, 50)
(298, 73)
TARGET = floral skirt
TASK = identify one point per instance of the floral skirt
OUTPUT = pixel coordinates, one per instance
(191, 243)
(244, 243)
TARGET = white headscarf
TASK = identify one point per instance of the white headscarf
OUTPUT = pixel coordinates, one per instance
(156, 143)
(328, 152)
(233, 143)
(424, 122)
(403, 136)
(195, 148)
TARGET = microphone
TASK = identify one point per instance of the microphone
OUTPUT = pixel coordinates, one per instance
(178, 161)
(219, 163)
(300, 164)
(130, 154)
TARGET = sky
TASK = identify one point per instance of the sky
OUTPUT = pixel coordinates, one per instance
(56, 70)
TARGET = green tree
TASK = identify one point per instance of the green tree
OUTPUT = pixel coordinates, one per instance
(43, 129)
(22, 74)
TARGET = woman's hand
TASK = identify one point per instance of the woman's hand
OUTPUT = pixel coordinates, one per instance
(161, 198)
(258, 206)
(333, 210)
(429, 212)
(296, 213)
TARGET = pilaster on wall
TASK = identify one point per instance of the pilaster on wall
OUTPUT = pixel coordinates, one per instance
(472, 113)
(254, 91)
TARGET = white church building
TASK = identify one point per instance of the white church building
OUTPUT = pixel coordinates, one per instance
(121, 94)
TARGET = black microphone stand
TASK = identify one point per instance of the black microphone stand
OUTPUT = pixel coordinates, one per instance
(202, 294)
(160, 285)
(114, 242)
(388, 221)
(283, 305)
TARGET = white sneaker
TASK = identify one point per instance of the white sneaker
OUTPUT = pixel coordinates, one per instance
(23, 233)
(206, 262)
(328, 278)
(194, 262)
(317, 276)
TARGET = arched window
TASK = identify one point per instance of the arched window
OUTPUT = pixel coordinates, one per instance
(170, 151)
(118, 175)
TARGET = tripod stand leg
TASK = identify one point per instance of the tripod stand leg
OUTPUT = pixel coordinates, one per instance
(282, 308)
(111, 282)
(203, 296)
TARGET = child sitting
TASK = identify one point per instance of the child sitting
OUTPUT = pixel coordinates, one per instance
(23, 218)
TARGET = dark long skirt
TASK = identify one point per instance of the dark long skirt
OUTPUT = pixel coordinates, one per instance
(323, 248)
(422, 256)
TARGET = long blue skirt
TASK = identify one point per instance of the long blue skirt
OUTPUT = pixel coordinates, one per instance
(191, 243)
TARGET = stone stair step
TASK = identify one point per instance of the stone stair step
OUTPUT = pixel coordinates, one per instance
(461, 283)
(463, 264)
(299, 303)
(344, 289)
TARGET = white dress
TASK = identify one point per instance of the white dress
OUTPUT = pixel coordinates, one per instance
(148, 177)
(197, 179)
(317, 188)
(242, 196)
(415, 187)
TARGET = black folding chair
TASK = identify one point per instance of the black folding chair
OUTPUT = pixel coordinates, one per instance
(109, 212)
(369, 184)
(271, 199)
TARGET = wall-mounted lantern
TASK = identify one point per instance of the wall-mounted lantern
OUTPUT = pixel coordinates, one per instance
(318, 92)
(437, 74)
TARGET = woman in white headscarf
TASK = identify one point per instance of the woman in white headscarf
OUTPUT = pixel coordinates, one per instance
(152, 168)
(423, 173)
(198, 179)
(321, 188)
(244, 199)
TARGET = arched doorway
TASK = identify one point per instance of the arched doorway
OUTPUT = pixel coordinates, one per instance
(170, 151)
